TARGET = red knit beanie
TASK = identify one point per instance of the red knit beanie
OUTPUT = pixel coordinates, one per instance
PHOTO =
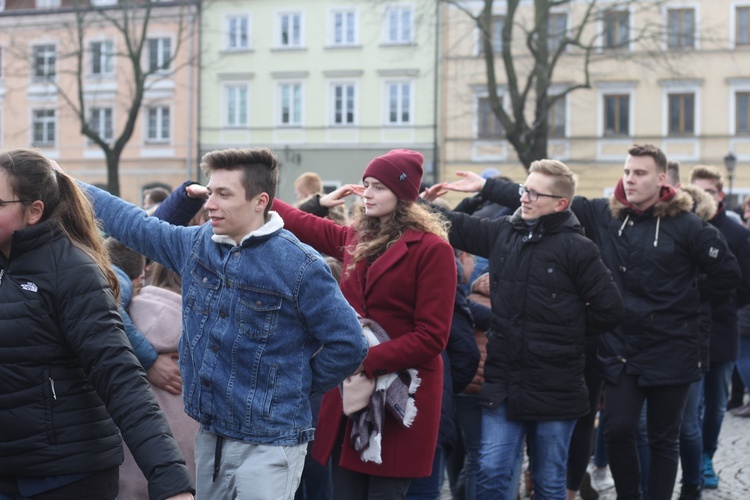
(401, 172)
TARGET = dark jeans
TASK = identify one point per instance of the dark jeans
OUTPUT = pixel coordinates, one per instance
(428, 488)
(350, 485)
(666, 404)
(469, 424)
(715, 396)
(102, 485)
(581, 442)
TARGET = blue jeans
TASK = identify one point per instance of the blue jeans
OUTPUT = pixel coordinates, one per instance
(715, 396)
(691, 440)
(743, 362)
(502, 441)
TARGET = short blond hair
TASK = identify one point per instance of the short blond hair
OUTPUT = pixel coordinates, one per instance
(708, 173)
(310, 182)
(564, 181)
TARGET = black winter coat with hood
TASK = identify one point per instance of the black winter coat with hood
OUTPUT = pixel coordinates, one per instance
(665, 261)
(549, 290)
(68, 376)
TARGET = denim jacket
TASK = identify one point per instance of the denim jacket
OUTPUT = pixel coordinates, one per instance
(264, 323)
(144, 351)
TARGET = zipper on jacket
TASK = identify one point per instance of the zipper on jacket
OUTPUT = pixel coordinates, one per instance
(52, 385)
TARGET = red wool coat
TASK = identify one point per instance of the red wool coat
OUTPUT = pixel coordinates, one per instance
(409, 291)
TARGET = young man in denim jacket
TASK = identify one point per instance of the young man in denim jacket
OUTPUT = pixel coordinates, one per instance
(264, 325)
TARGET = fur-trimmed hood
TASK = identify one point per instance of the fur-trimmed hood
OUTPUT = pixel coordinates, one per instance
(704, 206)
(665, 207)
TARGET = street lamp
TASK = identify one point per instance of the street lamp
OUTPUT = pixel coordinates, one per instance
(730, 161)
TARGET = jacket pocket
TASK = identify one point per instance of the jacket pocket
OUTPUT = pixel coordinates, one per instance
(257, 312)
(203, 286)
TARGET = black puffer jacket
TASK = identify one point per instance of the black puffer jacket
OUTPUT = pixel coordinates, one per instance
(66, 366)
(656, 259)
(549, 289)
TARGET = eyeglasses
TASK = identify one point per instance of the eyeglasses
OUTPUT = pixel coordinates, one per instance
(3, 203)
(533, 195)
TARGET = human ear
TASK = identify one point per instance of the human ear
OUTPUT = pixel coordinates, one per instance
(261, 202)
(34, 212)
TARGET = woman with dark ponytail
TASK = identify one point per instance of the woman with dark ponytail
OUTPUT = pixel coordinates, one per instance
(68, 377)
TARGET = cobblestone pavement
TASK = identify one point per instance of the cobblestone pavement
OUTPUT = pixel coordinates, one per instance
(731, 462)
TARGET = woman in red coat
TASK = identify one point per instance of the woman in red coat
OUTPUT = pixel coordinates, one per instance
(400, 272)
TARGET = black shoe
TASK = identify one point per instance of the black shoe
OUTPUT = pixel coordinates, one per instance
(587, 492)
(690, 492)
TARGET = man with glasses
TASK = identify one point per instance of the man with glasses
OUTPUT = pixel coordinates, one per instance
(665, 261)
(549, 290)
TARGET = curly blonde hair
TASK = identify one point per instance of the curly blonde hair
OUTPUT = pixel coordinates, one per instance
(375, 237)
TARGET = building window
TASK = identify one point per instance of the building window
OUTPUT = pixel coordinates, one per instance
(558, 24)
(236, 105)
(742, 102)
(680, 28)
(399, 27)
(488, 124)
(44, 61)
(44, 127)
(617, 115)
(742, 35)
(102, 58)
(291, 104)
(616, 29)
(290, 30)
(157, 129)
(159, 54)
(681, 114)
(344, 99)
(100, 121)
(496, 32)
(399, 103)
(239, 33)
(344, 27)
(47, 4)
(556, 118)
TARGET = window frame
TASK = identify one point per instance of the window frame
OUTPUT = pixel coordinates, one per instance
(98, 129)
(605, 25)
(561, 102)
(160, 40)
(294, 111)
(103, 58)
(388, 28)
(354, 28)
(249, 29)
(48, 123)
(159, 138)
(737, 8)
(682, 34)
(617, 125)
(400, 102)
(682, 95)
(279, 30)
(344, 111)
(46, 62)
(480, 120)
(557, 37)
(226, 114)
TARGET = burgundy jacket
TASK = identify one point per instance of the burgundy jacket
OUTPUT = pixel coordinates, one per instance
(409, 290)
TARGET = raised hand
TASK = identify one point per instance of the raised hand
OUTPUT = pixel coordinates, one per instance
(433, 192)
(196, 191)
(337, 197)
(471, 183)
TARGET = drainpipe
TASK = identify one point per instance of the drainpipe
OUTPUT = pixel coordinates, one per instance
(191, 98)
(435, 114)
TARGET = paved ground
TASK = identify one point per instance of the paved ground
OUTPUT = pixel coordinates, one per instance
(732, 464)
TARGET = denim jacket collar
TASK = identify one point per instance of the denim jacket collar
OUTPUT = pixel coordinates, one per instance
(273, 224)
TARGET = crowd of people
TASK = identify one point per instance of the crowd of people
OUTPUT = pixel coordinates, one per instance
(371, 342)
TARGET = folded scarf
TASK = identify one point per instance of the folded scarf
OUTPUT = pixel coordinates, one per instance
(393, 391)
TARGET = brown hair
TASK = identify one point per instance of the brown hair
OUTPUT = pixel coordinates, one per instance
(260, 170)
(375, 237)
(125, 258)
(563, 180)
(32, 178)
(650, 150)
(163, 277)
(709, 173)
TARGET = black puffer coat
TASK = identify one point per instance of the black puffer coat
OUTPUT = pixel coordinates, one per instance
(549, 289)
(66, 366)
(656, 259)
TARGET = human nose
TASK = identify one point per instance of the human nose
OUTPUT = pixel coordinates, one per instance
(525, 197)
